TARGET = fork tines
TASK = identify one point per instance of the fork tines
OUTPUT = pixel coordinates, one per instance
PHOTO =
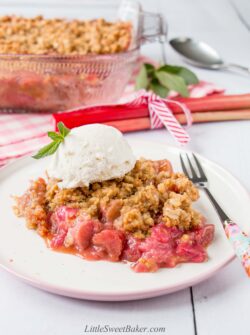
(193, 168)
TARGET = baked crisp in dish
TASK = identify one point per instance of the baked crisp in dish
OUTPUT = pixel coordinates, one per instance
(145, 217)
(40, 36)
(51, 65)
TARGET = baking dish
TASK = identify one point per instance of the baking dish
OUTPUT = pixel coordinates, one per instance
(51, 83)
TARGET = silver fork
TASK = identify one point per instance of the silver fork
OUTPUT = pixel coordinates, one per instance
(239, 240)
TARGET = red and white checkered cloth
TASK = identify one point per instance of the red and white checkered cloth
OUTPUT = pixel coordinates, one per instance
(22, 134)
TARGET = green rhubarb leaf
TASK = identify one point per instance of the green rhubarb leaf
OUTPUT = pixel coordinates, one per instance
(172, 82)
(142, 79)
(158, 89)
(171, 77)
(150, 69)
(188, 76)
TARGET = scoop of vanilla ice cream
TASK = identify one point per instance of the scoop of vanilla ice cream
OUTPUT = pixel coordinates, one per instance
(89, 154)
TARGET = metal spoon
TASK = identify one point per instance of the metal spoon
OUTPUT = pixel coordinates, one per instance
(202, 55)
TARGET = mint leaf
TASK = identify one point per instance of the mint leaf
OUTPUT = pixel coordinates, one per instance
(63, 130)
(188, 76)
(172, 82)
(50, 148)
(158, 89)
(142, 79)
(47, 150)
(54, 136)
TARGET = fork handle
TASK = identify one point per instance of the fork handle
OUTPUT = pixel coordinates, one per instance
(240, 242)
(223, 216)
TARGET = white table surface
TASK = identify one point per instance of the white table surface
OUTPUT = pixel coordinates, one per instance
(220, 304)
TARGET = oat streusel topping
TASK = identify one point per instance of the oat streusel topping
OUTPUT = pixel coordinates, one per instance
(20, 35)
(149, 194)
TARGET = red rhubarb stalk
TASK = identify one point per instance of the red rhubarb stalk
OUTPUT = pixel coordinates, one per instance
(215, 102)
(104, 114)
(144, 123)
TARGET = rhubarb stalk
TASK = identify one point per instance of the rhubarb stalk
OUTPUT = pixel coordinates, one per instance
(144, 122)
(206, 109)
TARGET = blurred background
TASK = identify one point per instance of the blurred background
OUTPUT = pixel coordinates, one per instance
(224, 24)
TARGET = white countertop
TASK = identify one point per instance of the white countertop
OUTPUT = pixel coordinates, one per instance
(220, 304)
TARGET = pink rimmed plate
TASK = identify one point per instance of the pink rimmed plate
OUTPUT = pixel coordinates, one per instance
(25, 255)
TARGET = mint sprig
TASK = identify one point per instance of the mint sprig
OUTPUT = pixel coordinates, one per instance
(57, 139)
(165, 78)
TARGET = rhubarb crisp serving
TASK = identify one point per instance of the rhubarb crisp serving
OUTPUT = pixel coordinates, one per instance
(106, 205)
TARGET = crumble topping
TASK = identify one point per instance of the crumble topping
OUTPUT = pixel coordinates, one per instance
(149, 194)
(20, 35)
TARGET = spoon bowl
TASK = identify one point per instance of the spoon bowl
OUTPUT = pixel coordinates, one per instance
(198, 53)
(202, 55)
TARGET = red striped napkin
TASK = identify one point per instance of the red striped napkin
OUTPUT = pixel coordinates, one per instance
(22, 134)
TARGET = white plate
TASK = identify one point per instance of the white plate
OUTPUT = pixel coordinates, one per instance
(23, 252)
